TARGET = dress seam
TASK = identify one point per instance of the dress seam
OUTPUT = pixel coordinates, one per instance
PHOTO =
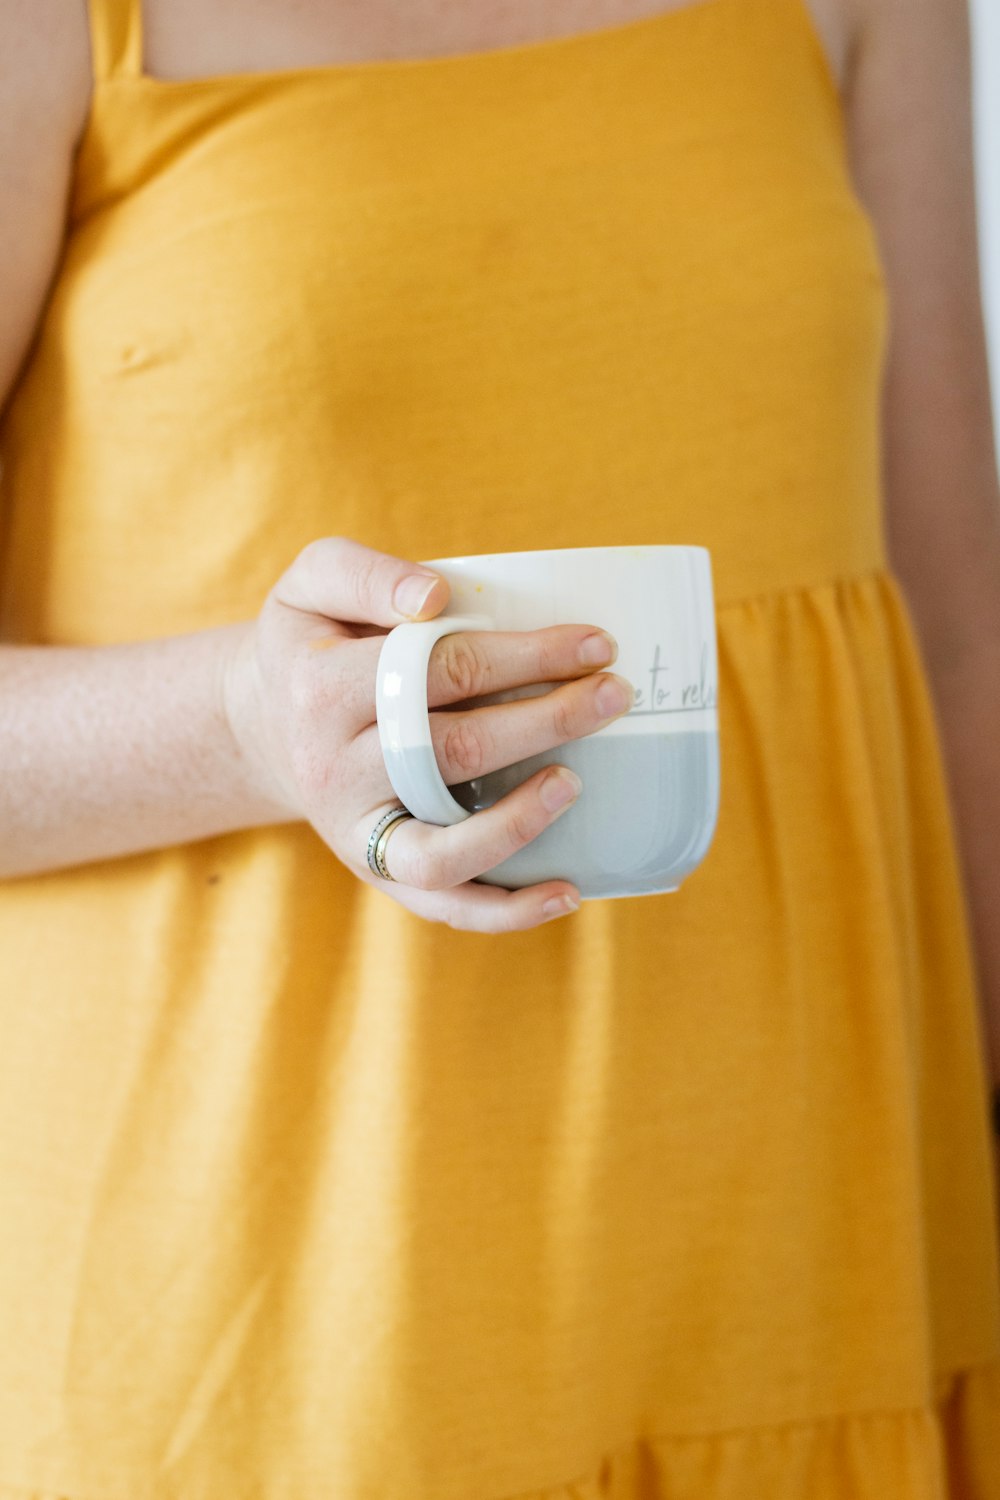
(925, 1408)
(29, 1492)
(839, 580)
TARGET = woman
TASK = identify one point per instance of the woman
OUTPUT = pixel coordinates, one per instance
(318, 1182)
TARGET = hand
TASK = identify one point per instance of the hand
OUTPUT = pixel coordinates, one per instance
(300, 700)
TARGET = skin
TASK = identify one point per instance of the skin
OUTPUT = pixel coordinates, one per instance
(183, 40)
(79, 786)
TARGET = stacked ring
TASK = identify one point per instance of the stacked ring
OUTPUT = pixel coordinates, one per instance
(379, 838)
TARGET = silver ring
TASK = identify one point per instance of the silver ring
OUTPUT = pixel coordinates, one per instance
(379, 838)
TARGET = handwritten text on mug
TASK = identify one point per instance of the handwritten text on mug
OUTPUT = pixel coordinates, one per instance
(662, 699)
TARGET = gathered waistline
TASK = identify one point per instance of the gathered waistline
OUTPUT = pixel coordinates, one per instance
(877, 572)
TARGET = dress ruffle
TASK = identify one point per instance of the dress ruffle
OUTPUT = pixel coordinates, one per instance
(946, 1450)
(713, 1247)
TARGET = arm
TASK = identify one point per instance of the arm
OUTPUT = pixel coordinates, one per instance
(44, 97)
(911, 140)
(118, 749)
(110, 750)
(103, 751)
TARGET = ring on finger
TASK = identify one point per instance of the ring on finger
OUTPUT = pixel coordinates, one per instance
(379, 837)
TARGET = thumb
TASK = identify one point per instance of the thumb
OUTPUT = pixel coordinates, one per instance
(344, 580)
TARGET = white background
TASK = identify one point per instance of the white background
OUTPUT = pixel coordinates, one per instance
(985, 17)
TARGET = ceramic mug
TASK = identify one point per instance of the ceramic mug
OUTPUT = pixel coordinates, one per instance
(648, 808)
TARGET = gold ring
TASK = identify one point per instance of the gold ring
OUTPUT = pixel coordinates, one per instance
(380, 837)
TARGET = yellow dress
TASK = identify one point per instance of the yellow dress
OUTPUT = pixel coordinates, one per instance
(305, 1198)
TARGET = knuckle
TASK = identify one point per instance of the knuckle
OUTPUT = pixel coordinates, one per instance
(500, 916)
(522, 827)
(310, 553)
(463, 750)
(302, 562)
(322, 553)
(505, 918)
(327, 549)
(563, 717)
(451, 916)
(549, 654)
(362, 580)
(466, 670)
(425, 870)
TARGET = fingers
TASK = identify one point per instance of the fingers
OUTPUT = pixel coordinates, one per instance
(481, 740)
(338, 578)
(474, 742)
(426, 858)
(485, 908)
(466, 665)
(476, 663)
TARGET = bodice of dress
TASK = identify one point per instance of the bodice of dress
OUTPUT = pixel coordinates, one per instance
(614, 288)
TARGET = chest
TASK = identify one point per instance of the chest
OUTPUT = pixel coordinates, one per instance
(190, 39)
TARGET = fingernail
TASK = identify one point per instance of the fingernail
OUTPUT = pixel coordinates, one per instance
(560, 906)
(595, 649)
(615, 695)
(412, 593)
(558, 788)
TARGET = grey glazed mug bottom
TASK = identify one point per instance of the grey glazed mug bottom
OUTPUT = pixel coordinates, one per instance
(641, 824)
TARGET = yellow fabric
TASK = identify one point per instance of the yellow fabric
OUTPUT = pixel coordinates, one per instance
(303, 1196)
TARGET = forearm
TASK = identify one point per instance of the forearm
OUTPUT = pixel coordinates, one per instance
(112, 750)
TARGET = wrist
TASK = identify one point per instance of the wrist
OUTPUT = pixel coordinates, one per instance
(241, 707)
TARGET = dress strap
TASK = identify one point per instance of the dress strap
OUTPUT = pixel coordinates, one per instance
(116, 38)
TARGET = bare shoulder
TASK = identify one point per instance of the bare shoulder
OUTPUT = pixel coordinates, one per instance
(45, 78)
(44, 97)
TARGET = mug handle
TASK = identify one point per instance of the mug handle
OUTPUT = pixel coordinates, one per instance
(404, 719)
